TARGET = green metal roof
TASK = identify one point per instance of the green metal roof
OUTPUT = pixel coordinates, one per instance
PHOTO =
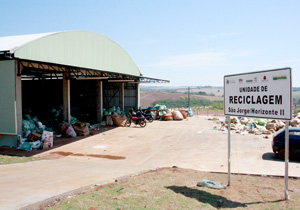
(78, 48)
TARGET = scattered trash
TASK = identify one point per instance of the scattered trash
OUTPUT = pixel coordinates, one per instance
(81, 129)
(213, 118)
(190, 112)
(73, 120)
(155, 169)
(211, 184)
(266, 137)
(120, 189)
(199, 131)
(47, 139)
(35, 144)
(26, 146)
(70, 132)
(109, 120)
(35, 136)
(256, 126)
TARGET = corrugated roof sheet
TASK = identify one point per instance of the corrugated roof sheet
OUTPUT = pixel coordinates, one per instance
(72, 48)
(9, 43)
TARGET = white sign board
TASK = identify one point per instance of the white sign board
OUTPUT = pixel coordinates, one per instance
(263, 94)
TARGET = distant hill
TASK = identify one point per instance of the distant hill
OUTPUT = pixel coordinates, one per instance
(198, 90)
(149, 94)
(148, 97)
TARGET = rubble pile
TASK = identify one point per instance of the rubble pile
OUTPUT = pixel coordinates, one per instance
(256, 126)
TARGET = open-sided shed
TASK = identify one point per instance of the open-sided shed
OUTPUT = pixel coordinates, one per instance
(80, 71)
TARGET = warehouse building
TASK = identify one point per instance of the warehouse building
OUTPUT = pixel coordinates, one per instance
(77, 72)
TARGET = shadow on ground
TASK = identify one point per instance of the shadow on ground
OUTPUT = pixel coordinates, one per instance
(273, 157)
(58, 142)
(216, 201)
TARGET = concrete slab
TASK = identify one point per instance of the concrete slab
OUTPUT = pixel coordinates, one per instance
(118, 152)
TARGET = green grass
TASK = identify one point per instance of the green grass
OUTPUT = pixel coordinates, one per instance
(6, 159)
(176, 189)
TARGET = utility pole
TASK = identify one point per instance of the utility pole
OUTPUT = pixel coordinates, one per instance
(188, 96)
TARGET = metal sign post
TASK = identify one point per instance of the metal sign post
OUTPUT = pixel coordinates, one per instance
(286, 176)
(229, 149)
(261, 94)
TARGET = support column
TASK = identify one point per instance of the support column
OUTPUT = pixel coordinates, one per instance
(18, 104)
(138, 94)
(66, 98)
(99, 101)
(121, 96)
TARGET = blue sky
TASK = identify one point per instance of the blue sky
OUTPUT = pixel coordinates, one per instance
(190, 42)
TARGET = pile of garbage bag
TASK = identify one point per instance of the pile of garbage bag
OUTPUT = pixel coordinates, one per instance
(36, 140)
(160, 107)
(113, 110)
(36, 135)
(114, 116)
(176, 114)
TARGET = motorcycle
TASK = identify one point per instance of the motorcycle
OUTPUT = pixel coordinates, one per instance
(148, 117)
(139, 119)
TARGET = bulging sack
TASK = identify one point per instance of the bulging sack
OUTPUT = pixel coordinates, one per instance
(177, 115)
(119, 120)
(81, 129)
(184, 113)
(167, 117)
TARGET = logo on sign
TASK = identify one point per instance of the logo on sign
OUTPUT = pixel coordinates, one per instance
(230, 81)
(279, 78)
(264, 79)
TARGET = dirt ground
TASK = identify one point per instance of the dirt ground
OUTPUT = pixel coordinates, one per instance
(176, 188)
(113, 153)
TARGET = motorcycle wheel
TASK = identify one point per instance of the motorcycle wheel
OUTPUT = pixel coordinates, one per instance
(150, 119)
(142, 123)
(128, 123)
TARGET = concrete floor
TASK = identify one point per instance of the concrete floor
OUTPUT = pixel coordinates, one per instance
(122, 151)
